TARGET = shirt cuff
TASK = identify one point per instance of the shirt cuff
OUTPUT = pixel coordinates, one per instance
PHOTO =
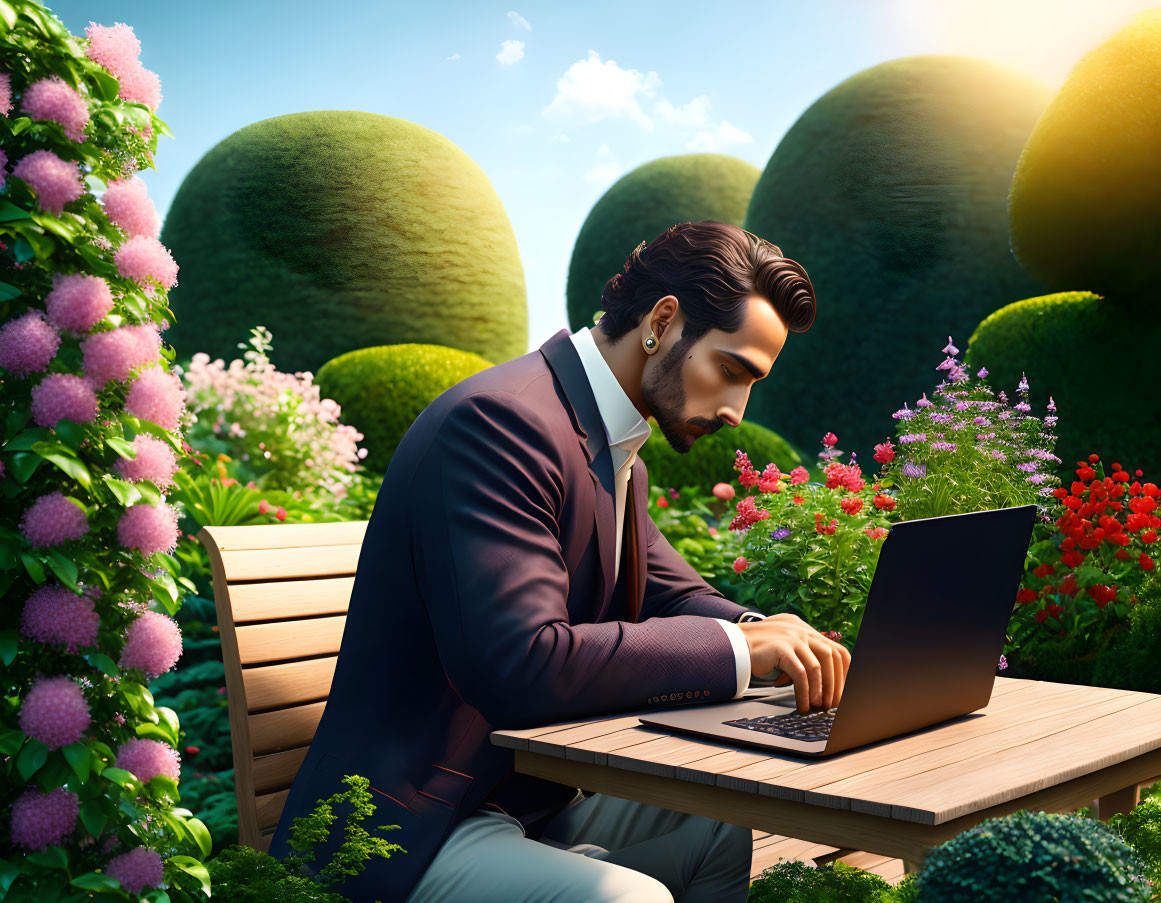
(741, 654)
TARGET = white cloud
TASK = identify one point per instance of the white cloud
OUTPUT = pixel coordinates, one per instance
(510, 52)
(719, 138)
(563, 139)
(591, 91)
(694, 113)
(454, 56)
(516, 19)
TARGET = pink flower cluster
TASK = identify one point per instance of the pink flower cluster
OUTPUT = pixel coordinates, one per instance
(156, 395)
(137, 869)
(116, 353)
(155, 462)
(149, 528)
(249, 396)
(28, 343)
(146, 759)
(5, 93)
(54, 711)
(61, 395)
(41, 820)
(127, 205)
(55, 614)
(144, 259)
(154, 644)
(78, 301)
(116, 48)
(51, 98)
(53, 519)
(56, 182)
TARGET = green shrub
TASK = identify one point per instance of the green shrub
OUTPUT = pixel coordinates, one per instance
(341, 229)
(793, 881)
(711, 459)
(1131, 662)
(640, 206)
(1034, 856)
(381, 390)
(891, 190)
(1141, 829)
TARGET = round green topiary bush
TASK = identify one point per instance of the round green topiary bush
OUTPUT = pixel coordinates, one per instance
(793, 881)
(382, 390)
(891, 190)
(1077, 348)
(1085, 203)
(640, 206)
(341, 230)
(711, 459)
(1033, 856)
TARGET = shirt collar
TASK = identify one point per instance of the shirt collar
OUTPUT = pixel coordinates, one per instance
(625, 428)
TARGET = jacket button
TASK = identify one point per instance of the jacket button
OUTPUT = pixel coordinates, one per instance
(672, 696)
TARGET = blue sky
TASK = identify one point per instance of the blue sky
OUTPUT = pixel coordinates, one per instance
(557, 101)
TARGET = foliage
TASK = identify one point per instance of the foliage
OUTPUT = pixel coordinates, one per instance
(1034, 856)
(1141, 829)
(84, 240)
(276, 426)
(793, 881)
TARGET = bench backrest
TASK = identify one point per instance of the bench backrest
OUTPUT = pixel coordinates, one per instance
(281, 593)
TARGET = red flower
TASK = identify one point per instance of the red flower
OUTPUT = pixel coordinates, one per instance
(1027, 595)
(193, 750)
(1073, 559)
(829, 439)
(798, 500)
(1149, 536)
(740, 564)
(851, 505)
(1146, 562)
(263, 506)
(884, 502)
(1068, 586)
(884, 453)
(1044, 570)
(280, 513)
(662, 502)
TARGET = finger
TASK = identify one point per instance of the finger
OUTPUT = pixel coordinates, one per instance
(826, 658)
(794, 668)
(814, 676)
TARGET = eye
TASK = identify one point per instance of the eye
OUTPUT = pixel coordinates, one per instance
(729, 375)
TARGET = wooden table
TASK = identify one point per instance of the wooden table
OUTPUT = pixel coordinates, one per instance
(1037, 745)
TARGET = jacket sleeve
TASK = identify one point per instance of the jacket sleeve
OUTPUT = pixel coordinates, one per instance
(673, 587)
(487, 557)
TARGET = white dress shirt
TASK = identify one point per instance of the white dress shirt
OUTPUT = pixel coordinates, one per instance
(627, 431)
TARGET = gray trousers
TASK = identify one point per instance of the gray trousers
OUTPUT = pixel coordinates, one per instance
(600, 849)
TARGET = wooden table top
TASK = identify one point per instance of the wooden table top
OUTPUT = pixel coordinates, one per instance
(1031, 735)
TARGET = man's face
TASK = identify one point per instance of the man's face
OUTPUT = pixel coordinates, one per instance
(704, 387)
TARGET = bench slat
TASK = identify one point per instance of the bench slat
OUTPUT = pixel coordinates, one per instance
(284, 640)
(275, 686)
(284, 729)
(270, 808)
(277, 770)
(282, 564)
(290, 599)
(282, 536)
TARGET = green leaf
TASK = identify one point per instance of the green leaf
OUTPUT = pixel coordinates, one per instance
(78, 757)
(121, 777)
(201, 834)
(10, 742)
(163, 785)
(93, 818)
(24, 441)
(23, 465)
(126, 493)
(30, 759)
(21, 249)
(35, 568)
(150, 731)
(8, 292)
(121, 447)
(103, 663)
(71, 433)
(191, 866)
(96, 881)
(8, 17)
(53, 858)
(9, 212)
(62, 457)
(9, 641)
(64, 568)
(150, 494)
(8, 870)
(58, 226)
(107, 86)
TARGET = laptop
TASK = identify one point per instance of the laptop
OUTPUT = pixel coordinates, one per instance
(927, 651)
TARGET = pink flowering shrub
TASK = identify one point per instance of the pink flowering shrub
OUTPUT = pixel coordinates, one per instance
(90, 440)
(275, 423)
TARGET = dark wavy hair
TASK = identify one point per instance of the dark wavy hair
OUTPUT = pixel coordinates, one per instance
(711, 268)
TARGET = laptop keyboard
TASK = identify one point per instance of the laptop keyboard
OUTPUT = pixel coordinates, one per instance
(811, 726)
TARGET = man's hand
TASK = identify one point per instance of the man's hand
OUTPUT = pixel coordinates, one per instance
(815, 663)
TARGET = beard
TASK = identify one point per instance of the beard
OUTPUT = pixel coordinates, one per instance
(663, 392)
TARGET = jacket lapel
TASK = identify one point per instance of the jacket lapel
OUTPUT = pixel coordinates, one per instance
(566, 364)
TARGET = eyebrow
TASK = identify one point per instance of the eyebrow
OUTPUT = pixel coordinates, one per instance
(745, 362)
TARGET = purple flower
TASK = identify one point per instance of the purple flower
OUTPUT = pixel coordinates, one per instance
(63, 395)
(914, 470)
(982, 373)
(149, 528)
(138, 869)
(907, 438)
(939, 417)
(53, 519)
(1023, 386)
(55, 614)
(146, 759)
(905, 414)
(128, 205)
(41, 820)
(1023, 406)
(27, 343)
(780, 534)
(143, 258)
(156, 395)
(155, 462)
(1051, 404)
(943, 446)
(923, 402)
(54, 711)
(950, 348)
(1003, 663)
(5, 93)
(154, 644)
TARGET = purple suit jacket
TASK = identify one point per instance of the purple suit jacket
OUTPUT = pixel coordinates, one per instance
(485, 599)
